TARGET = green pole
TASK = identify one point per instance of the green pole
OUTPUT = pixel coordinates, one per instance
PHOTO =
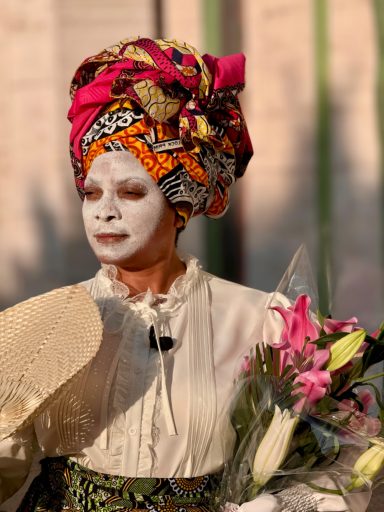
(213, 227)
(378, 7)
(212, 26)
(323, 154)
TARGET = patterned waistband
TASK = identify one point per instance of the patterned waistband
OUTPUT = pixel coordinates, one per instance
(65, 485)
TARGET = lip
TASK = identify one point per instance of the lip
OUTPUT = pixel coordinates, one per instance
(110, 238)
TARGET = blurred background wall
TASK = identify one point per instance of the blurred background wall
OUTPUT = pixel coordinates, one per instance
(311, 102)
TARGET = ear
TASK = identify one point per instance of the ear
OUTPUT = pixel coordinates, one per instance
(178, 221)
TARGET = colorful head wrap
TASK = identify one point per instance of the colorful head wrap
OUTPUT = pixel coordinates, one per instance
(175, 110)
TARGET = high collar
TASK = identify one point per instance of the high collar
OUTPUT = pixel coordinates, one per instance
(110, 285)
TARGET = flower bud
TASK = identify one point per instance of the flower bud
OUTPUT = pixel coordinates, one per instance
(345, 349)
(368, 465)
(274, 446)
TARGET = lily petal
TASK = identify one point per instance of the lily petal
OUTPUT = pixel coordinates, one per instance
(313, 385)
(320, 357)
(331, 325)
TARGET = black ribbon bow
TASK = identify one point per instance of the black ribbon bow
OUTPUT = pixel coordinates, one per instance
(165, 342)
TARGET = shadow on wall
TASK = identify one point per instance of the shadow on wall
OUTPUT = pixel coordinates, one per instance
(357, 280)
(275, 233)
(283, 214)
(62, 260)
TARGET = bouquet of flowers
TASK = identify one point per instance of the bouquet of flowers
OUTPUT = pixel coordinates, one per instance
(305, 409)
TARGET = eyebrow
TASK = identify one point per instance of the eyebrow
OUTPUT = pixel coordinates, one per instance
(92, 181)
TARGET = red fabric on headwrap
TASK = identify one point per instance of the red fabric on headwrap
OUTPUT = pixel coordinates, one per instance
(172, 85)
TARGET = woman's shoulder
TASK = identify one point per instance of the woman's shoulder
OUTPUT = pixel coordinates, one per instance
(234, 303)
(232, 292)
(87, 284)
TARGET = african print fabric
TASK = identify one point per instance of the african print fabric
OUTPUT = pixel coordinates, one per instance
(177, 111)
(65, 485)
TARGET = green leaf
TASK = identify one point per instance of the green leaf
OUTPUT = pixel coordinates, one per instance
(374, 341)
(276, 361)
(355, 372)
(320, 318)
(366, 378)
(286, 371)
(328, 338)
(259, 360)
(380, 336)
(372, 355)
(268, 359)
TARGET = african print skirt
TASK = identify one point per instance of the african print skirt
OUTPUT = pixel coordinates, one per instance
(65, 485)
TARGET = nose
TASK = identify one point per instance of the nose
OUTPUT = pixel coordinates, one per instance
(107, 210)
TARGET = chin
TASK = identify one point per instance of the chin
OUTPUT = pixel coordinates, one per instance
(110, 260)
(132, 260)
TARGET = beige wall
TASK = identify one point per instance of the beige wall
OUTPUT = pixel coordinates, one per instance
(42, 244)
(280, 187)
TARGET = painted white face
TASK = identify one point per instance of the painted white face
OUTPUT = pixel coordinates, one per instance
(127, 218)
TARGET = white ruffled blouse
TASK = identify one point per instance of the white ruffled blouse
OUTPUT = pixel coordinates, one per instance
(139, 412)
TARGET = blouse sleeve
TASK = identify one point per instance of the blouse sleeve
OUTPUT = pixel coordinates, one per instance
(16, 455)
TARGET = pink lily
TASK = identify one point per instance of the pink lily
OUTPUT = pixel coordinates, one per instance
(364, 396)
(364, 424)
(314, 384)
(331, 325)
(298, 330)
(298, 327)
(376, 332)
(246, 365)
(359, 421)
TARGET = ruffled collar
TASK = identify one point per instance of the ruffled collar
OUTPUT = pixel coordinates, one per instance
(165, 303)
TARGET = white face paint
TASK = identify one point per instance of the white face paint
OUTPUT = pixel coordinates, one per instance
(127, 218)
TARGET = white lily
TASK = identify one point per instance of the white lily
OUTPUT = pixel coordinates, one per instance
(274, 446)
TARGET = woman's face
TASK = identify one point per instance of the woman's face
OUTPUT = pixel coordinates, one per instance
(127, 218)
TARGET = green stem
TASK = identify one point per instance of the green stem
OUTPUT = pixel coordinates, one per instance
(212, 32)
(370, 377)
(324, 490)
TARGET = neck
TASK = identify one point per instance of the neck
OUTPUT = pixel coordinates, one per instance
(158, 277)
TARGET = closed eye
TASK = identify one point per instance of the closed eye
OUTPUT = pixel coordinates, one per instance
(132, 192)
(92, 194)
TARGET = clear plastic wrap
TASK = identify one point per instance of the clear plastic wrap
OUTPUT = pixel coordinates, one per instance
(302, 419)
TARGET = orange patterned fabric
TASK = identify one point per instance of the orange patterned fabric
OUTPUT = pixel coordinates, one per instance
(158, 164)
(175, 110)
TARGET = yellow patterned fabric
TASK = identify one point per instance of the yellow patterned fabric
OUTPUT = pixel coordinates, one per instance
(65, 485)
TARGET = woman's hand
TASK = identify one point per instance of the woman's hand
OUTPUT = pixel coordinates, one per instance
(263, 503)
(301, 497)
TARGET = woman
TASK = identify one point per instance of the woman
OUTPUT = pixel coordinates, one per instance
(157, 136)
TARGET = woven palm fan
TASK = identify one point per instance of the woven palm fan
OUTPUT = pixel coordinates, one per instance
(44, 342)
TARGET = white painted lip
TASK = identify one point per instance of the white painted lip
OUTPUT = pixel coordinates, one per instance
(108, 238)
(110, 234)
